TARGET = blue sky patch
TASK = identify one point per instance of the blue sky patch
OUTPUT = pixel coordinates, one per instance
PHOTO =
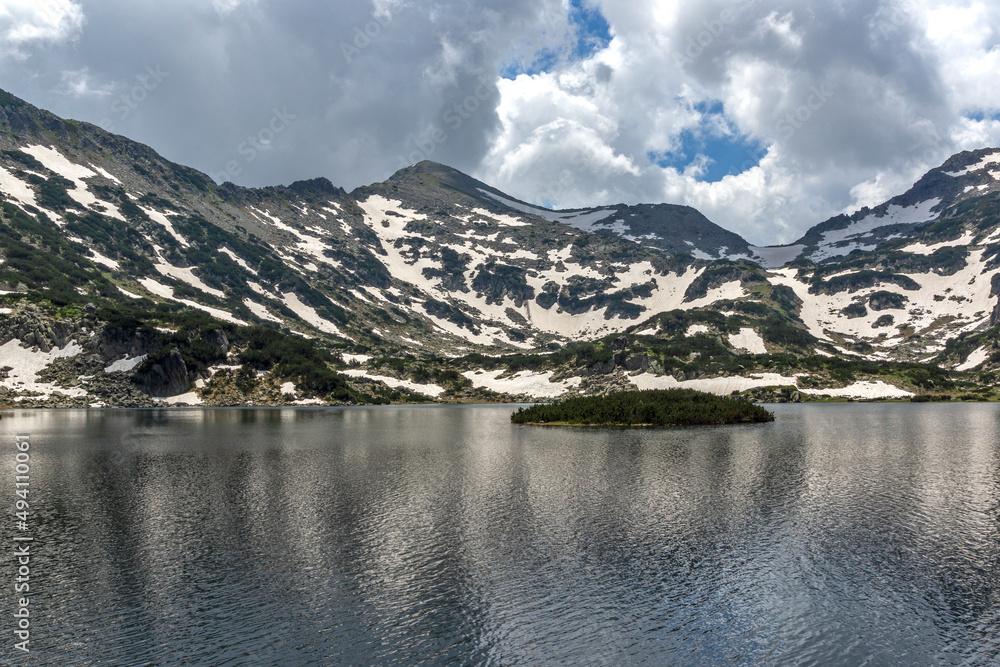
(591, 33)
(544, 60)
(726, 151)
(979, 115)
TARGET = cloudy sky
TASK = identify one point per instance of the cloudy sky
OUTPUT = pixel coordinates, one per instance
(768, 116)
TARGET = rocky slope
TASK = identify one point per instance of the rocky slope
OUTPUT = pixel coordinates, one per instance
(126, 279)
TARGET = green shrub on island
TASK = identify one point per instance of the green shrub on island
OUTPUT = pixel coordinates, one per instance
(655, 407)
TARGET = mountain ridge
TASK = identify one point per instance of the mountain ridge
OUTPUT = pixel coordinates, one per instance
(434, 285)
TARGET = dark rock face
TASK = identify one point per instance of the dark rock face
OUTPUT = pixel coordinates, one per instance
(619, 343)
(887, 301)
(168, 378)
(219, 339)
(855, 310)
(33, 329)
(637, 362)
(118, 342)
(602, 367)
(884, 321)
(497, 281)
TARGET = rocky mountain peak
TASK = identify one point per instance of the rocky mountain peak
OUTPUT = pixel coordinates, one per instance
(435, 269)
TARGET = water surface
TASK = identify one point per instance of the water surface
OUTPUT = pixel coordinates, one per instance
(837, 535)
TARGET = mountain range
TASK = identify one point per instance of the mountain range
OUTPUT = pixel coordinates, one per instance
(127, 279)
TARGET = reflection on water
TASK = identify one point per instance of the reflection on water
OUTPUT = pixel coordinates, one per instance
(840, 534)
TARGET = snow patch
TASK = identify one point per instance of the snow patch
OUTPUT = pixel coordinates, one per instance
(26, 363)
(260, 311)
(16, 188)
(431, 390)
(161, 219)
(101, 259)
(165, 292)
(236, 258)
(925, 249)
(977, 358)
(186, 275)
(870, 390)
(538, 385)
(581, 219)
(967, 303)
(500, 219)
(749, 340)
(124, 364)
(721, 386)
(106, 174)
(895, 215)
(306, 244)
(308, 314)
(190, 398)
(636, 274)
(992, 158)
(55, 161)
(58, 163)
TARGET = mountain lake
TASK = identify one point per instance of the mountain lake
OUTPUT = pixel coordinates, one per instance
(840, 534)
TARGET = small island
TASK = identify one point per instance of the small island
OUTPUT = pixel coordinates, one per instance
(651, 407)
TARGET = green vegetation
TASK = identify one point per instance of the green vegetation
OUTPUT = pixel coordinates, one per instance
(25, 159)
(37, 254)
(8, 100)
(655, 407)
(930, 398)
(295, 358)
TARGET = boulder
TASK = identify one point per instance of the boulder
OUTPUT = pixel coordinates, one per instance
(619, 343)
(117, 342)
(637, 362)
(168, 378)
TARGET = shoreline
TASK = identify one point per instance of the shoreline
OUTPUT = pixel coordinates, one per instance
(517, 402)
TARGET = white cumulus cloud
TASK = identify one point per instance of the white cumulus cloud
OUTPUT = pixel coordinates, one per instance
(26, 23)
(843, 104)
(767, 115)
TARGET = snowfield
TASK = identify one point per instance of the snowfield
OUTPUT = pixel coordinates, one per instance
(869, 390)
(749, 340)
(721, 386)
(431, 390)
(124, 364)
(962, 299)
(26, 363)
(833, 240)
(538, 385)
(975, 359)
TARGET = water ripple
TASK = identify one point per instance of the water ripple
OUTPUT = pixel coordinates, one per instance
(838, 535)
